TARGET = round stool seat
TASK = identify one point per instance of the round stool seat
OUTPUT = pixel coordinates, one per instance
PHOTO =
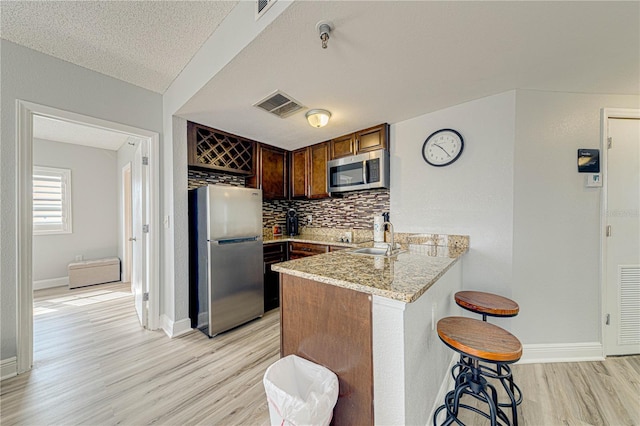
(487, 303)
(479, 339)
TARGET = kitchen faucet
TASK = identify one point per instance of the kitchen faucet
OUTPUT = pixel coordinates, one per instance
(391, 246)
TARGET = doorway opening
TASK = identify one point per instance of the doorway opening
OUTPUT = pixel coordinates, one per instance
(149, 143)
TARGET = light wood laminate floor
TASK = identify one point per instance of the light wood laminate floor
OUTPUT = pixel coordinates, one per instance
(94, 365)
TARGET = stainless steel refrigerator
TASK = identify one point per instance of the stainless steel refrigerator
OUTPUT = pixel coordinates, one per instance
(227, 287)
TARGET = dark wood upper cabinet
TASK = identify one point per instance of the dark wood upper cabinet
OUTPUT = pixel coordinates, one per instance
(309, 171)
(271, 175)
(343, 146)
(366, 140)
(299, 173)
(279, 173)
(219, 151)
(373, 138)
(317, 175)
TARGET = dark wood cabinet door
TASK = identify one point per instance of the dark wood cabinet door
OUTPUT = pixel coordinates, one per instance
(373, 138)
(317, 171)
(299, 173)
(343, 146)
(273, 173)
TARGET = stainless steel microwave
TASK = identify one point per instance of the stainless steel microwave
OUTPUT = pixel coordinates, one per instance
(363, 171)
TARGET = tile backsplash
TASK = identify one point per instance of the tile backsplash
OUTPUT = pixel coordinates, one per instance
(349, 210)
(197, 178)
(353, 210)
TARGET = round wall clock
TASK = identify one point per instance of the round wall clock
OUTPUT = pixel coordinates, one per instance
(442, 147)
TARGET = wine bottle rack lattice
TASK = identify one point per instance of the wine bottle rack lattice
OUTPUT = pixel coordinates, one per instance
(223, 152)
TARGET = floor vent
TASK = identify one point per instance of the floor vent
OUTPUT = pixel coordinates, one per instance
(262, 6)
(629, 282)
(280, 104)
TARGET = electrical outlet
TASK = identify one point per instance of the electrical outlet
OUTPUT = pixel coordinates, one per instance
(309, 219)
(78, 257)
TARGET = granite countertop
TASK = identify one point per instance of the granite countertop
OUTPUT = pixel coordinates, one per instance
(404, 277)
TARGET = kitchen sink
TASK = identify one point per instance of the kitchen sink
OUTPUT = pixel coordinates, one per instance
(374, 251)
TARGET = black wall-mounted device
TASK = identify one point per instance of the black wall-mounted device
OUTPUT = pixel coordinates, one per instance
(588, 160)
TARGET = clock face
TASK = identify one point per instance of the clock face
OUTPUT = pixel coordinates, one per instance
(442, 147)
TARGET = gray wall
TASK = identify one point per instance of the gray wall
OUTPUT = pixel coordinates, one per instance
(35, 77)
(556, 233)
(93, 202)
(473, 196)
(516, 191)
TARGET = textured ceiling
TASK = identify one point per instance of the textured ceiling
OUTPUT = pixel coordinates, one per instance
(391, 61)
(55, 130)
(387, 61)
(146, 43)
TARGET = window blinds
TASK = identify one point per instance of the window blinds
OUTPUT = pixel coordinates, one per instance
(51, 200)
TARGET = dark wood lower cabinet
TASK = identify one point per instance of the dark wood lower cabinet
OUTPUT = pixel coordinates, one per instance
(298, 250)
(332, 326)
(272, 253)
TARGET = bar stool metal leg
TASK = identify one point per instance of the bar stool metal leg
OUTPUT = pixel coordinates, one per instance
(471, 382)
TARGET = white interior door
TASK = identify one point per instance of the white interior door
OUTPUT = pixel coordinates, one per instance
(140, 211)
(128, 226)
(622, 259)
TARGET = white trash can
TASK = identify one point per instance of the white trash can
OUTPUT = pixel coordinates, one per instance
(300, 392)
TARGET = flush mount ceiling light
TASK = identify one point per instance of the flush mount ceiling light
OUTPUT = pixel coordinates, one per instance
(318, 117)
(324, 28)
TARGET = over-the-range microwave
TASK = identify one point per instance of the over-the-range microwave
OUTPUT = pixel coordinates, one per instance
(363, 171)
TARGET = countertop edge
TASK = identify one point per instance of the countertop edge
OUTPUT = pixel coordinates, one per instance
(400, 296)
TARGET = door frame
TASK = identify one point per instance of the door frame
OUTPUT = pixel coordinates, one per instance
(605, 115)
(24, 256)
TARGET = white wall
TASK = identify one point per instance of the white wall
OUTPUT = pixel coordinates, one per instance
(94, 208)
(42, 79)
(237, 30)
(556, 248)
(473, 196)
(534, 227)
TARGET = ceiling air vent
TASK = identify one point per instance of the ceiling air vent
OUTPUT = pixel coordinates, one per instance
(262, 6)
(280, 104)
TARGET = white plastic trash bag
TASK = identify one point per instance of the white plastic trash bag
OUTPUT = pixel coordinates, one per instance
(300, 392)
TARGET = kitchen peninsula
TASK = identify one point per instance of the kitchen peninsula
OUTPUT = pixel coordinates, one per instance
(371, 320)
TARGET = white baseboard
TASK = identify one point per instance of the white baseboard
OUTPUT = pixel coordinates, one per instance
(8, 368)
(50, 283)
(561, 352)
(175, 329)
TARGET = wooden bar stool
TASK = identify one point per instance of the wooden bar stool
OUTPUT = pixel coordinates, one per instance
(487, 304)
(493, 305)
(478, 341)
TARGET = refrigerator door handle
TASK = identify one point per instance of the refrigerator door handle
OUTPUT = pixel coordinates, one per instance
(234, 240)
